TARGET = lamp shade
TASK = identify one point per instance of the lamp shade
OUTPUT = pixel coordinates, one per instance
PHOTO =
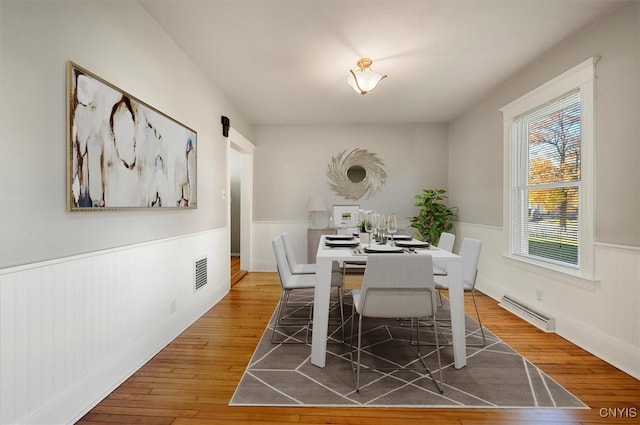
(316, 203)
(364, 79)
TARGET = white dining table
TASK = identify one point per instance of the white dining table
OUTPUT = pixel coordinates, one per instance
(324, 261)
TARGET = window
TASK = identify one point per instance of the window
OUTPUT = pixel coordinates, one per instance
(547, 181)
(549, 173)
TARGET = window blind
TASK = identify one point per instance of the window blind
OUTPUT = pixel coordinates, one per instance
(547, 181)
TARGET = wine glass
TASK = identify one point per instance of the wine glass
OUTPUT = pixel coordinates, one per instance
(392, 226)
(381, 224)
(368, 224)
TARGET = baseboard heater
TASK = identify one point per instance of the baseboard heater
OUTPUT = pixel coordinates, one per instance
(528, 313)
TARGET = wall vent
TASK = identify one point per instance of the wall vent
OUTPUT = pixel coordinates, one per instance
(528, 313)
(200, 272)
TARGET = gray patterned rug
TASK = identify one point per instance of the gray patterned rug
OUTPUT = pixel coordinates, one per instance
(495, 376)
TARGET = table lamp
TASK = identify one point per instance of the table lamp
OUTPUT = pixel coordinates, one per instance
(316, 205)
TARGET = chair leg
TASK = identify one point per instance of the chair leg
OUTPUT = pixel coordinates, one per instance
(473, 297)
(359, 351)
(341, 306)
(475, 305)
(355, 371)
(280, 313)
(435, 330)
(439, 385)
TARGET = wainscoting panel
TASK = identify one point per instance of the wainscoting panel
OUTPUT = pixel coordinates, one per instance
(601, 317)
(263, 258)
(73, 329)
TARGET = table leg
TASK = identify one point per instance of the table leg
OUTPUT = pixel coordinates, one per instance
(456, 300)
(321, 312)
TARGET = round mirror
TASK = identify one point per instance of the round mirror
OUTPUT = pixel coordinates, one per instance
(356, 173)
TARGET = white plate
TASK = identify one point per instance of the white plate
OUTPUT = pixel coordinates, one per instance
(349, 243)
(383, 248)
(339, 237)
(413, 244)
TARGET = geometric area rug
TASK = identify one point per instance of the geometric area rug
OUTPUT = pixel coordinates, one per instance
(496, 376)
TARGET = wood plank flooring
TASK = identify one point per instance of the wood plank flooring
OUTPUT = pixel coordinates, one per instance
(192, 380)
(236, 273)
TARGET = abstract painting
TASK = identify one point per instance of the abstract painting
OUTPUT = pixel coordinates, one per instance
(122, 152)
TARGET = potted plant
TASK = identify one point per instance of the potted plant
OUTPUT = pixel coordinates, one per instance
(362, 226)
(363, 221)
(434, 216)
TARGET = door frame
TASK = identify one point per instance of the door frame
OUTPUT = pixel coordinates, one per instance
(238, 142)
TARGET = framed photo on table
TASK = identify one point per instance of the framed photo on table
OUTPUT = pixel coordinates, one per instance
(346, 216)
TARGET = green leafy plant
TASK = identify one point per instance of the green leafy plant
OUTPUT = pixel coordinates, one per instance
(434, 217)
(363, 221)
(362, 226)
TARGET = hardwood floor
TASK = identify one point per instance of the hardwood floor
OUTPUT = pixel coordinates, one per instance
(192, 380)
(236, 273)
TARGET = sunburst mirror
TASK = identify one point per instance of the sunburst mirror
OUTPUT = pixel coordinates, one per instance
(356, 174)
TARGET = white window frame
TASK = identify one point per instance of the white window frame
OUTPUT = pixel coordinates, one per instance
(581, 77)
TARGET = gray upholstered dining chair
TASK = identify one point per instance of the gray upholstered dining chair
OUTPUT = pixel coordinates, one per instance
(396, 285)
(291, 282)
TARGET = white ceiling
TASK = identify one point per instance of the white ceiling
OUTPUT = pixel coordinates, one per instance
(287, 61)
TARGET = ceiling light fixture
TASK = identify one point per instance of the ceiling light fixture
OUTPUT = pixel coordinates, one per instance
(364, 80)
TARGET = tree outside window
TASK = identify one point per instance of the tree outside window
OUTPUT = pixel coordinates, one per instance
(550, 188)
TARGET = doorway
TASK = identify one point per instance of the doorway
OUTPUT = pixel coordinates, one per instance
(240, 190)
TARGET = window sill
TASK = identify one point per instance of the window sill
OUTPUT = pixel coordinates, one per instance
(571, 277)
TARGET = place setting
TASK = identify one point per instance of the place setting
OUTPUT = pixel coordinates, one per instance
(341, 241)
(339, 237)
(383, 237)
(383, 249)
(412, 243)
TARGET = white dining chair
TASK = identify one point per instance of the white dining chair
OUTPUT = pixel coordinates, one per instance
(445, 242)
(396, 285)
(470, 253)
(294, 266)
(301, 268)
(291, 282)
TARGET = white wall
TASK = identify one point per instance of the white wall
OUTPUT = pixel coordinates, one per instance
(476, 141)
(119, 42)
(601, 316)
(290, 165)
(86, 298)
